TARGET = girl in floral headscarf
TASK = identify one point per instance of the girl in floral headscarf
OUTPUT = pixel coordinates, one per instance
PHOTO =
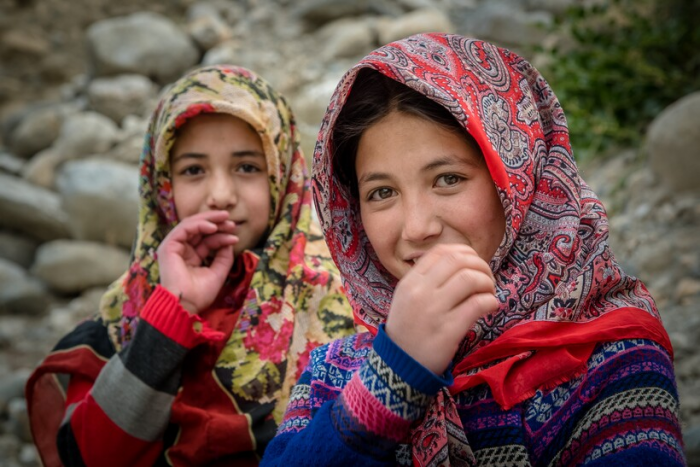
(502, 331)
(194, 351)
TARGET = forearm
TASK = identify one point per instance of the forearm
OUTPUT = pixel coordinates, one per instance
(369, 419)
(120, 420)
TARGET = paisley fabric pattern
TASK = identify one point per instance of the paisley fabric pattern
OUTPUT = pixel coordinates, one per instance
(554, 263)
(268, 348)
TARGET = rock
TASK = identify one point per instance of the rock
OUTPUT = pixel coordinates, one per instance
(101, 200)
(319, 12)
(557, 7)
(11, 387)
(144, 43)
(28, 455)
(63, 319)
(10, 447)
(19, 419)
(504, 24)
(673, 143)
(25, 42)
(128, 150)
(70, 266)
(691, 438)
(10, 164)
(207, 28)
(84, 134)
(37, 130)
(424, 20)
(347, 38)
(19, 293)
(119, 96)
(41, 169)
(655, 258)
(31, 210)
(687, 287)
(18, 249)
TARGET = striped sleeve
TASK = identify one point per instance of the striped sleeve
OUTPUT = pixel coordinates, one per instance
(363, 424)
(121, 418)
(626, 411)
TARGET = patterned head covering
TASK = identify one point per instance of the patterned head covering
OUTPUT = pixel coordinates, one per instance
(294, 272)
(554, 263)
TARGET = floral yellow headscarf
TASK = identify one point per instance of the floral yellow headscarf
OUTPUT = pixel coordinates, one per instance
(295, 301)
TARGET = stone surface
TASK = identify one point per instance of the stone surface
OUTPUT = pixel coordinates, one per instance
(32, 210)
(70, 266)
(146, 43)
(673, 141)
(101, 200)
(119, 96)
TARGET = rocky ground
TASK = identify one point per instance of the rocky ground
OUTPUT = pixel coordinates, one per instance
(78, 80)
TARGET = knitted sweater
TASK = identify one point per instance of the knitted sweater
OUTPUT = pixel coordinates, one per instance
(357, 399)
(126, 415)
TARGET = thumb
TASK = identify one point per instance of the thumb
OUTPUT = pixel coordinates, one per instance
(223, 260)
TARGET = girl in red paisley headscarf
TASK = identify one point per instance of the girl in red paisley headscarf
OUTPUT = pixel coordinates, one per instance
(192, 356)
(501, 329)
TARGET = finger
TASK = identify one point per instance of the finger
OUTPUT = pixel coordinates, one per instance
(215, 216)
(463, 284)
(439, 268)
(222, 262)
(213, 242)
(476, 306)
(435, 255)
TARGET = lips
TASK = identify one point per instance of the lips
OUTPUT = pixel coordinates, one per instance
(413, 258)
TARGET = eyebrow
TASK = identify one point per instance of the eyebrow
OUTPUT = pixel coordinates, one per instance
(436, 164)
(199, 155)
(448, 160)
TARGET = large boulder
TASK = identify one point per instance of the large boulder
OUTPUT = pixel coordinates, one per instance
(19, 293)
(673, 142)
(144, 43)
(17, 248)
(86, 133)
(119, 96)
(70, 266)
(31, 210)
(37, 129)
(101, 199)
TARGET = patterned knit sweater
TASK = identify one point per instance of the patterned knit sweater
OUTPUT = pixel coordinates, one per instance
(357, 399)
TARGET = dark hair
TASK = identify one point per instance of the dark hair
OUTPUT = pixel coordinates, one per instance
(374, 96)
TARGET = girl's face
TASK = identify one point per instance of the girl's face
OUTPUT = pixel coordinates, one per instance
(421, 185)
(218, 162)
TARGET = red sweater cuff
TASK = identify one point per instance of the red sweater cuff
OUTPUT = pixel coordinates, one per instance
(164, 312)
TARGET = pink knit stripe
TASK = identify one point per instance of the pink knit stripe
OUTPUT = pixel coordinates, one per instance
(371, 413)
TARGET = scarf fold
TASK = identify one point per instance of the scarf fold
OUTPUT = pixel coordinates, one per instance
(558, 283)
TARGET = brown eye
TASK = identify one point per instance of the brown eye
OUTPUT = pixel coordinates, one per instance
(448, 180)
(248, 168)
(380, 194)
(192, 170)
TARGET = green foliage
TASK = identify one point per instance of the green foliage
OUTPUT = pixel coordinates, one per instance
(628, 61)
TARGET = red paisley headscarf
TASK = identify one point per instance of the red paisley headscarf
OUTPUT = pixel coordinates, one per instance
(560, 289)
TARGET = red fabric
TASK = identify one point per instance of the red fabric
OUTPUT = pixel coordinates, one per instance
(543, 354)
(103, 443)
(554, 264)
(46, 400)
(204, 410)
(164, 312)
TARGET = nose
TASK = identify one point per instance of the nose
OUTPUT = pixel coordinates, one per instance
(421, 222)
(222, 192)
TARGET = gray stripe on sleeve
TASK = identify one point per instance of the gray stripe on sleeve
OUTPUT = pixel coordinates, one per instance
(134, 406)
(69, 413)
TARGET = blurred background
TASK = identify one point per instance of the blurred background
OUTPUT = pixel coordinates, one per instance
(79, 78)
